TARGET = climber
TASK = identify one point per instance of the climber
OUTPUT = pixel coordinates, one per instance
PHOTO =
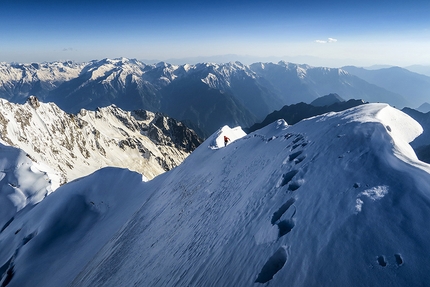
(226, 140)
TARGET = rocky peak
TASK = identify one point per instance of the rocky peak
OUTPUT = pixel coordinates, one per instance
(75, 145)
(34, 102)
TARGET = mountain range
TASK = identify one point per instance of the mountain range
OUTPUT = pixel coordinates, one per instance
(101, 185)
(413, 87)
(205, 96)
(338, 199)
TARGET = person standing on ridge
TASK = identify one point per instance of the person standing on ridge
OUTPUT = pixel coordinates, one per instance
(226, 140)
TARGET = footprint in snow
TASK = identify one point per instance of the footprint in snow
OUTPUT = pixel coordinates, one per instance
(287, 177)
(399, 259)
(272, 266)
(383, 262)
(286, 225)
(278, 214)
(294, 155)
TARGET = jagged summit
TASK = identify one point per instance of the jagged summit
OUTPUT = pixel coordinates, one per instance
(242, 94)
(75, 145)
(339, 199)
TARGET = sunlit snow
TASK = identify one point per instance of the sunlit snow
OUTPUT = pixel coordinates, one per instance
(335, 200)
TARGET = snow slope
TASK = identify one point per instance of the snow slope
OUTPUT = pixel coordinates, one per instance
(335, 200)
(22, 183)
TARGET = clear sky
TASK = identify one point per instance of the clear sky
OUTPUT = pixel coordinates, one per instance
(336, 32)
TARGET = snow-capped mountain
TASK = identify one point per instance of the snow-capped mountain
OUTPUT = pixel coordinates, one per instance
(303, 83)
(335, 200)
(19, 81)
(77, 145)
(205, 95)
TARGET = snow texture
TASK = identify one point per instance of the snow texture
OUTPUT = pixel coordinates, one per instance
(276, 207)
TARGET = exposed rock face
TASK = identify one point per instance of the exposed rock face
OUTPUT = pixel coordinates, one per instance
(76, 145)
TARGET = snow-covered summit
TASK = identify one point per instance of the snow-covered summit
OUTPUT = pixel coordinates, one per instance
(216, 141)
(335, 200)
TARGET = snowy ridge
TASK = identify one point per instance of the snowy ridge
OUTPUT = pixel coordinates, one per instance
(216, 141)
(77, 145)
(319, 203)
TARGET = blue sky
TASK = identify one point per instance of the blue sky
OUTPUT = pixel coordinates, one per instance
(331, 32)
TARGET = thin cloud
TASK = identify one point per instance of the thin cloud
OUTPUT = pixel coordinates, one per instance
(329, 40)
(68, 49)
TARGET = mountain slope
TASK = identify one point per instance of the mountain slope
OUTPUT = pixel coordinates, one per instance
(22, 183)
(292, 114)
(319, 203)
(424, 108)
(327, 100)
(77, 145)
(302, 83)
(421, 144)
(412, 86)
(207, 108)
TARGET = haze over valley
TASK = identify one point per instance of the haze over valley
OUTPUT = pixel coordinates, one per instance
(227, 143)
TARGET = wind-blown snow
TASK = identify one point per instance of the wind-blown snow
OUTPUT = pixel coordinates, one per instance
(373, 193)
(330, 201)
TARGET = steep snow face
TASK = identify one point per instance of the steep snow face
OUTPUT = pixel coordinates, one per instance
(22, 183)
(84, 215)
(335, 200)
(77, 145)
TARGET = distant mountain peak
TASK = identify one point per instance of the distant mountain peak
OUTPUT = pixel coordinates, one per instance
(424, 108)
(327, 100)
